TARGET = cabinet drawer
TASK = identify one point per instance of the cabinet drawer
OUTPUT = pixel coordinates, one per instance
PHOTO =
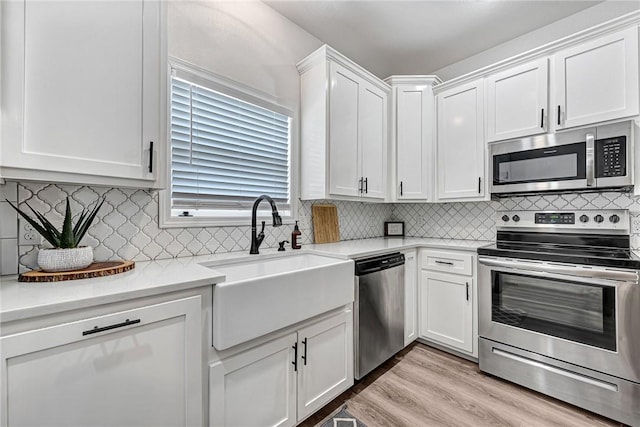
(448, 261)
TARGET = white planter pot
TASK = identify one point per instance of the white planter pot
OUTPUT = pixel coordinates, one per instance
(65, 259)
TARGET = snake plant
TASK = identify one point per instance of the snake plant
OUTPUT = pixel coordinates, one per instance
(70, 235)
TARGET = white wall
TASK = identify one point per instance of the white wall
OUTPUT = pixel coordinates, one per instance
(245, 41)
(572, 24)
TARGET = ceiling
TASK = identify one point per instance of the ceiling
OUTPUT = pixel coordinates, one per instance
(420, 37)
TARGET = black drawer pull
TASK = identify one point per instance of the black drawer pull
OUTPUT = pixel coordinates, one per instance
(444, 262)
(96, 329)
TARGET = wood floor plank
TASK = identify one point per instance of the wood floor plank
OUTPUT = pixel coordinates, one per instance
(423, 386)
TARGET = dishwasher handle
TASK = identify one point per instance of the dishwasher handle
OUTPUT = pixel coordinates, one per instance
(379, 263)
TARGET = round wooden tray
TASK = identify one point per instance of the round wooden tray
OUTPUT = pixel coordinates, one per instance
(97, 269)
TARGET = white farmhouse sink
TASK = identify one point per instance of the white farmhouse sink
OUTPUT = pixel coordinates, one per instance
(268, 292)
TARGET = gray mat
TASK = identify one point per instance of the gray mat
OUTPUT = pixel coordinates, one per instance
(343, 419)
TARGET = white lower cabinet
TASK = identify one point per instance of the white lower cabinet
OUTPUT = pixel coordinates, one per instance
(283, 381)
(410, 297)
(447, 300)
(139, 367)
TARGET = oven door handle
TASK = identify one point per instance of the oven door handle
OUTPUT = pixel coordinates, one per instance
(596, 273)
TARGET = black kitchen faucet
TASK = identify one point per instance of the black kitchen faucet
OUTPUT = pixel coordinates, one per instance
(256, 240)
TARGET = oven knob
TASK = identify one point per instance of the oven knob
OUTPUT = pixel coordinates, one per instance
(598, 218)
(505, 218)
(515, 218)
(584, 218)
(614, 218)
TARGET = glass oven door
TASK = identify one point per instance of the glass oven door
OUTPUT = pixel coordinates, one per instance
(580, 312)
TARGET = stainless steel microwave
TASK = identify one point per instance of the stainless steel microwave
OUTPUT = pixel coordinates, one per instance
(586, 159)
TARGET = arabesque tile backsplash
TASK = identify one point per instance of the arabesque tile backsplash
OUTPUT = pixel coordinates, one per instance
(127, 225)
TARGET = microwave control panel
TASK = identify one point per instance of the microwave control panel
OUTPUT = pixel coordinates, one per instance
(611, 157)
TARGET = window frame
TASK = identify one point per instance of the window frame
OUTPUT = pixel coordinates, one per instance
(194, 74)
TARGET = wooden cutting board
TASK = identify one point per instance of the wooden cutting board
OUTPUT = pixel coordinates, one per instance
(97, 269)
(326, 228)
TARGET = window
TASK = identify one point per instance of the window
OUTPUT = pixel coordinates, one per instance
(225, 152)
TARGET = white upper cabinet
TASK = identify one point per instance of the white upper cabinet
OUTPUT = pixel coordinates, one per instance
(81, 91)
(517, 101)
(343, 129)
(343, 136)
(373, 131)
(597, 80)
(413, 123)
(460, 143)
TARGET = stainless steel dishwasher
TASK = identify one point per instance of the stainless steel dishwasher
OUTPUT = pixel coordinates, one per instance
(378, 311)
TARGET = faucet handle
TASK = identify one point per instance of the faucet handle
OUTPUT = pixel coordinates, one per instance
(263, 224)
(281, 247)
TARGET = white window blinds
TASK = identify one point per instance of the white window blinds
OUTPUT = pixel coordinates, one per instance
(225, 152)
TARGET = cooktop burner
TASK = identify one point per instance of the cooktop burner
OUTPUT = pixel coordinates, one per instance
(578, 237)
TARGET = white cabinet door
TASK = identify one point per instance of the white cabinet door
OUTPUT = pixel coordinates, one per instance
(81, 90)
(325, 360)
(256, 387)
(414, 112)
(343, 129)
(344, 112)
(597, 80)
(446, 310)
(140, 367)
(410, 297)
(517, 101)
(460, 143)
(373, 136)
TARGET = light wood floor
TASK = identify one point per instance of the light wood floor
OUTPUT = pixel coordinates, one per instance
(422, 386)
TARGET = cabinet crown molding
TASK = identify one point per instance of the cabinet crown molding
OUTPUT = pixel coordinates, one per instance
(622, 22)
(429, 79)
(326, 52)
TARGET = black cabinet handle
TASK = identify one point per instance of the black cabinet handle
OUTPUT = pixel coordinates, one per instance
(360, 185)
(479, 185)
(96, 329)
(444, 262)
(467, 291)
(304, 356)
(542, 118)
(295, 357)
(558, 115)
(401, 188)
(151, 157)
(366, 185)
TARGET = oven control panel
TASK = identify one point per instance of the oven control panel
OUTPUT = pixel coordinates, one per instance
(555, 218)
(608, 220)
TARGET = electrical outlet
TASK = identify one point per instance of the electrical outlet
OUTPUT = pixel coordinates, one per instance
(635, 225)
(27, 235)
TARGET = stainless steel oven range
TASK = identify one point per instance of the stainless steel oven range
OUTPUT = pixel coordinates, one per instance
(559, 308)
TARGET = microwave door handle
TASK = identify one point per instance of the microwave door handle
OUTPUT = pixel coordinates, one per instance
(590, 160)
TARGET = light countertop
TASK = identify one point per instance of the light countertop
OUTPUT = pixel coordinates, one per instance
(24, 300)
(367, 247)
